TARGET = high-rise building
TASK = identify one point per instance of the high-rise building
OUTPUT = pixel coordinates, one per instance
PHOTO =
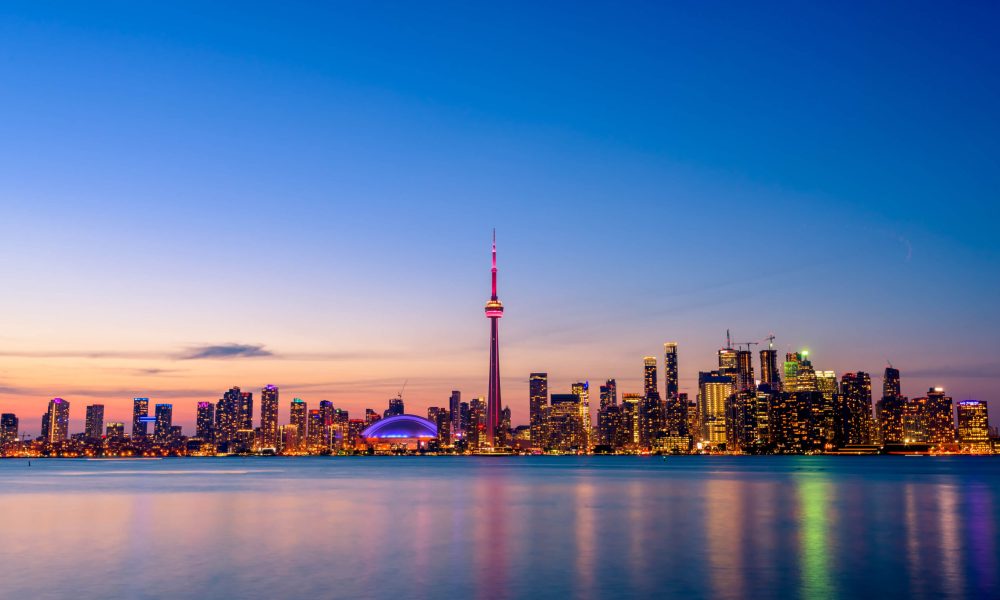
(396, 407)
(476, 428)
(744, 369)
(269, 416)
(650, 385)
(939, 419)
(769, 369)
(8, 429)
(889, 409)
(671, 378)
(205, 421)
(494, 311)
(245, 419)
(57, 419)
(799, 373)
(713, 390)
(164, 421)
(442, 418)
(538, 399)
(314, 436)
(94, 422)
(297, 418)
(609, 393)
(371, 416)
(631, 421)
(582, 390)
(231, 413)
(853, 423)
(565, 423)
(455, 413)
(140, 409)
(114, 430)
(974, 427)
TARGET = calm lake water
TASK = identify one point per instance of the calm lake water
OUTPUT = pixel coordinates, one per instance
(518, 527)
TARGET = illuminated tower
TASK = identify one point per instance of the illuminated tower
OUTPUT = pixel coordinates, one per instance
(494, 310)
(269, 416)
(95, 419)
(140, 408)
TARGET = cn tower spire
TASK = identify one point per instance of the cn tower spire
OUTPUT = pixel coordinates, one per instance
(494, 310)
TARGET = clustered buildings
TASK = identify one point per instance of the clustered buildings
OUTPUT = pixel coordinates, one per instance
(792, 408)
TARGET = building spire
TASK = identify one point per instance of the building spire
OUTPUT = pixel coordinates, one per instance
(494, 270)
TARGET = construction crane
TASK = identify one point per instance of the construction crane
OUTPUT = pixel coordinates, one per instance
(770, 341)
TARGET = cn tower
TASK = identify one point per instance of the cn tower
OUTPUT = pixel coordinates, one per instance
(494, 310)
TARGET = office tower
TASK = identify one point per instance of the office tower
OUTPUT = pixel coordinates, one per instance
(538, 399)
(230, 414)
(140, 409)
(631, 425)
(744, 369)
(769, 369)
(494, 311)
(396, 407)
(503, 433)
(371, 416)
(314, 435)
(823, 411)
(566, 424)
(327, 413)
(853, 423)
(671, 379)
(650, 385)
(476, 428)
(115, 431)
(57, 420)
(939, 417)
(796, 422)
(914, 427)
(288, 437)
(94, 422)
(269, 416)
(889, 409)
(297, 418)
(582, 389)
(205, 421)
(246, 411)
(164, 421)
(8, 428)
(608, 419)
(713, 390)
(974, 427)
(455, 412)
(465, 418)
(609, 393)
(442, 418)
(745, 431)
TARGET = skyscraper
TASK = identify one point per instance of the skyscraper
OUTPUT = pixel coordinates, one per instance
(204, 426)
(565, 423)
(582, 390)
(769, 368)
(939, 418)
(245, 413)
(8, 428)
(314, 437)
(713, 390)
(269, 416)
(853, 422)
(297, 418)
(230, 414)
(57, 419)
(974, 427)
(651, 409)
(396, 407)
(494, 311)
(140, 408)
(671, 380)
(94, 422)
(455, 413)
(538, 399)
(650, 385)
(890, 407)
(164, 422)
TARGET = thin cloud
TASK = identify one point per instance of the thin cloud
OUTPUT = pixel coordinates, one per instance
(226, 351)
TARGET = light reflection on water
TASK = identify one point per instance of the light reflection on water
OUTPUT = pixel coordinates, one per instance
(538, 527)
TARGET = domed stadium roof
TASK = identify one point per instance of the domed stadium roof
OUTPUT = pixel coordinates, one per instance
(401, 427)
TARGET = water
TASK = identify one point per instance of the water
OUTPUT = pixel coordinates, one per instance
(517, 527)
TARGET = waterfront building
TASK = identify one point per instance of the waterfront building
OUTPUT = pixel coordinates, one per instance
(315, 430)
(889, 408)
(853, 423)
(974, 427)
(538, 400)
(582, 390)
(298, 411)
(631, 426)
(269, 398)
(441, 417)
(671, 380)
(205, 422)
(455, 413)
(56, 422)
(494, 311)
(244, 418)
(476, 430)
(713, 390)
(94, 421)
(939, 418)
(140, 409)
(8, 428)
(566, 431)
(114, 430)
(164, 421)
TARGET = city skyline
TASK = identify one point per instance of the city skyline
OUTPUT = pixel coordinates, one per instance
(175, 227)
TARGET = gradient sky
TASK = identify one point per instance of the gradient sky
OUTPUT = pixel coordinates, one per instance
(319, 183)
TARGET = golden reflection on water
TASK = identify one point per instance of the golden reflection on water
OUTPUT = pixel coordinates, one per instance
(814, 510)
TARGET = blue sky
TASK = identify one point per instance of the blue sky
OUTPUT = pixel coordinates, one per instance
(322, 181)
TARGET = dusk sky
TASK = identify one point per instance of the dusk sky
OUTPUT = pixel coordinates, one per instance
(198, 196)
